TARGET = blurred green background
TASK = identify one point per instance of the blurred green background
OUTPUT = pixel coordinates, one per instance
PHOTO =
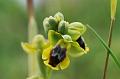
(13, 30)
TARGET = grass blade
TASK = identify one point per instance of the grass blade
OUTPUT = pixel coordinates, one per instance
(105, 45)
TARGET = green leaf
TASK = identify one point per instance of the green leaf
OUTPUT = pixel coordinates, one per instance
(54, 37)
(105, 45)
(76, 29)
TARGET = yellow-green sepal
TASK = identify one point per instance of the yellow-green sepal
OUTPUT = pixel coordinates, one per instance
(37, 43)
(76, 29)
(75, 50)
(28, 48)
(54, 37)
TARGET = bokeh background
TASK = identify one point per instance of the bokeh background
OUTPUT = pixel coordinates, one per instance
(13, 30)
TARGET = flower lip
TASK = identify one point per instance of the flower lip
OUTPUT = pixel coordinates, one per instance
(81, 42)
(57, 55)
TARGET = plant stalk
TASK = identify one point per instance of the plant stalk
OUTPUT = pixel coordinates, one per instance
(32, 58)
(113, 12)
(109, 44)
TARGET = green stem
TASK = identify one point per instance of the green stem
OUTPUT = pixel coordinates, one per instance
(113, 13)
(109, 44)
(33, 68)
(105, 45)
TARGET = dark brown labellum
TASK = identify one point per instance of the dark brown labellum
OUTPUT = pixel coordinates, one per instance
(57, 55)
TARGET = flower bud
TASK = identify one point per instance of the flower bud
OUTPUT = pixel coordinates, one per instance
(76, 29)
(63, 27)
(67, 38)
(113, 8)
(50, 24)
(53, 23)
(59, 16)
(39, 41)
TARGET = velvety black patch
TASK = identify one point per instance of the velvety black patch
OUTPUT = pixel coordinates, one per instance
(57, 55)
(81, 42)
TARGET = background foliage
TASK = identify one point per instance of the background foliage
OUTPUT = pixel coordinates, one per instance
(13, 30)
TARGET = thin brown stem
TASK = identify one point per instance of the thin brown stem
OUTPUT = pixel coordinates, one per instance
(30, 8)
(109, 44)
(32, 60)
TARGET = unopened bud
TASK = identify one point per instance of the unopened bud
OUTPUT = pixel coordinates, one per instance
(63, 27)
(59, 16)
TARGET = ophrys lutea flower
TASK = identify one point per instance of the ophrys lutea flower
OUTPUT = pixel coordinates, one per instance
(56, 55)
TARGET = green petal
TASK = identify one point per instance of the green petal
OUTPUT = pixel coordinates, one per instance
(54, 37)
(75, 50)
(76, 29)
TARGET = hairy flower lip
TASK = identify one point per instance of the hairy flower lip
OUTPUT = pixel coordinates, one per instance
(57, 55)
(63, 63)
